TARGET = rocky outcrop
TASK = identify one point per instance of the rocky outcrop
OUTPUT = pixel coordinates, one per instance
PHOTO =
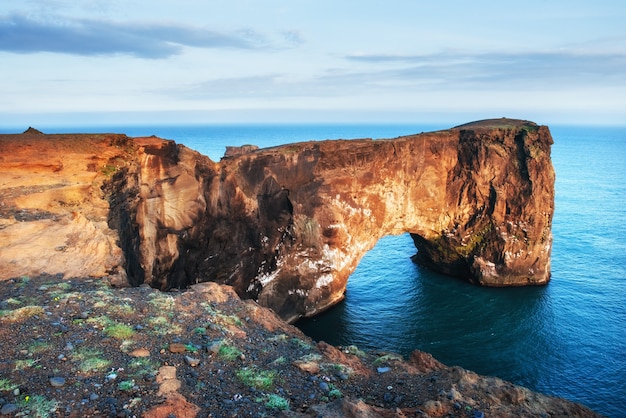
(53, 213)
(287, 225)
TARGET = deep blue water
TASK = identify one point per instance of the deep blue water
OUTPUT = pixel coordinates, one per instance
(566, 339)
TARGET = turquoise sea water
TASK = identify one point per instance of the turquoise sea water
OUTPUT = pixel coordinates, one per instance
(566, 339)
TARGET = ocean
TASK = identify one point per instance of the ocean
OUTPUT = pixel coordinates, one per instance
(566, 339)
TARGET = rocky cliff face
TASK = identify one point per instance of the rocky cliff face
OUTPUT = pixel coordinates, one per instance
(287, 225)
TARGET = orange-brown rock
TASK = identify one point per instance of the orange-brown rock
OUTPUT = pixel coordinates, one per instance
(287, 225)
(53, 213)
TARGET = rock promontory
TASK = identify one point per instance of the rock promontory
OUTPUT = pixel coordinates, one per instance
(285, 226)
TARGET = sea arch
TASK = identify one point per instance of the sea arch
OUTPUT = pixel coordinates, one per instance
(287, 225)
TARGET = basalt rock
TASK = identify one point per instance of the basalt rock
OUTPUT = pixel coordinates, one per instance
(287, 225)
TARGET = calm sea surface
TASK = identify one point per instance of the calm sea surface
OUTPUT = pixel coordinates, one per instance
(566, 339)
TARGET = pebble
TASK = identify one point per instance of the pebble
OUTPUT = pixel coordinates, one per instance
(69, 346)
(324, 386)
(193, 362)
(93, 396)
(57, 382)
(140, 352)
(8, 408)
(383, 369)
(177, 348)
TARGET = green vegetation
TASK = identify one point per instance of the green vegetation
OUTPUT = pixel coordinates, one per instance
(273, 401)
(280, 360)
(258, 379)
(334, 393)
(191, 348)
(142, 366)
(355, 351)
(119, 331)
(90, 360)
(163, 326)
(21, 314)
(126, 385)
(38, 406)
(38, 346)
(161, 301)
(199, 331)
(6, 385)
(387, 358)
(301, 343)
(108, 170)
(24, 364)
(228, 320)
(228, 352)
(475, 241)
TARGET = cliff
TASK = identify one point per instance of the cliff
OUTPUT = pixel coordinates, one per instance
(284, 226)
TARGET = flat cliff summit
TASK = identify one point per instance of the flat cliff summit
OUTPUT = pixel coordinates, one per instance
(285, 226)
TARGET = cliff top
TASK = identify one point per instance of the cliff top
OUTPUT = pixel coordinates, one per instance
(504, 123)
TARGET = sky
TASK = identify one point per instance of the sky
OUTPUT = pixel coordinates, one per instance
(287, 61)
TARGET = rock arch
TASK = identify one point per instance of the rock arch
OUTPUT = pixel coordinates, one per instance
(287, 225)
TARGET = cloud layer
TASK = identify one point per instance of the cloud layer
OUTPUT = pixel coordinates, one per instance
(21, 34)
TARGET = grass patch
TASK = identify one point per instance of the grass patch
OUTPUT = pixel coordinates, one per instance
(13, 301)
(387, 358)
(301, 343)
(6, 385)
(161, 301)
(229, 320)
(163, 326)
(334, 393)
(142, 366)
(280, 360)
(38, 406)
(38, 347)
(124, 309)
(25, 364)
(354, 350)
(101, 321)
(273, 401)
(199, 331)
(258, 379)
(21, 314)
(126, 385)
(228, 352)
(119, 331)
(89, 360)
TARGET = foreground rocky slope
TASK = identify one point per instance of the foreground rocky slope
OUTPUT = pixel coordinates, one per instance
(81, 348)
(284, 226)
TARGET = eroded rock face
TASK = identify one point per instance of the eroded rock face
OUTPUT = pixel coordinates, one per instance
(53, 213)
(286, 226)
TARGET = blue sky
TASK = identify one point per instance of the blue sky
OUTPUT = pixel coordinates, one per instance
(114, 61)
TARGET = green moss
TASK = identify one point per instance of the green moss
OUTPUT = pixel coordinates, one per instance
(475, 241)
(89, 360)
(228, 352)
(21, 314)
(256, 378)
(119, 331)
(273, 401)
(38, 406)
